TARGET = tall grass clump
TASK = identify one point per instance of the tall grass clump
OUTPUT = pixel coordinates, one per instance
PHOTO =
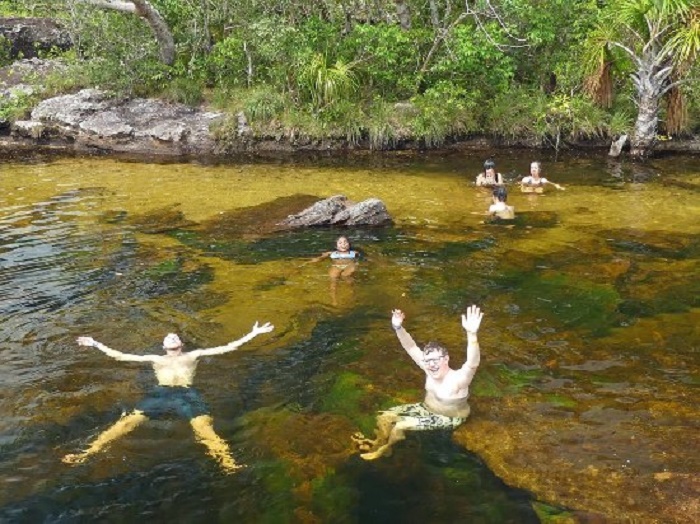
(383, 123)
(322, 83)
(443, 111)
(513, 114)
(551, 119)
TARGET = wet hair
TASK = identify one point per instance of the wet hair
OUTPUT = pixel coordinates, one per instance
(435, 347)
(489, 164)
(500, 193)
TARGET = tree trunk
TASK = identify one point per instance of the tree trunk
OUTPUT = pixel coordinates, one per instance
(160, 30)
(404, 14)
(616, 146)
(434, 15)
(644, 135)
(150, 14)
(651, 81)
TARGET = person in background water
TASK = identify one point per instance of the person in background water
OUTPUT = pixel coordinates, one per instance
(175, 373)
(535, 183)
(446, 389)
(489, 177)
(499, 208)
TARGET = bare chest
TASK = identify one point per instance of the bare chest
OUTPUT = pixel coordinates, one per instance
(451, 387)
(175, 371)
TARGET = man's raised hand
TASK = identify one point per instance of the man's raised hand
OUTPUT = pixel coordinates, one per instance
(86, 341)
(397, 318)
(472, 320)
(265, 328)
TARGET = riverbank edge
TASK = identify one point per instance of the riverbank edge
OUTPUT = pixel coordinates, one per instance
(271, 148)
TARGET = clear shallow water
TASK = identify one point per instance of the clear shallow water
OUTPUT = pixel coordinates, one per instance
(591, 311)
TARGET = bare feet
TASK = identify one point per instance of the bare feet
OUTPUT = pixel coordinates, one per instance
(382, 451)
(371, 448)
(363, 443)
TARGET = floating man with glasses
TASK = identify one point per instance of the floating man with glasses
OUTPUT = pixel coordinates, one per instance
(174, 394)
(446, 389)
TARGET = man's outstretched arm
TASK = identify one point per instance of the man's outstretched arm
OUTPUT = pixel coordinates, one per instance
(118, 355)
(265, 328)
(407, 342)
(471, 322)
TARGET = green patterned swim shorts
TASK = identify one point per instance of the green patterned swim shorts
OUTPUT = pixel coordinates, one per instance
(424, 419)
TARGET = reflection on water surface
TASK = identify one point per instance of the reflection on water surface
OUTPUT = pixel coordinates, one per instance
(589, 371)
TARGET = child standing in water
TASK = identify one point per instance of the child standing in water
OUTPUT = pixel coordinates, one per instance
(535, 183)
(490, 177)
(499, 208)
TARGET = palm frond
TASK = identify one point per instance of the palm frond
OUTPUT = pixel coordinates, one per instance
(686, 41)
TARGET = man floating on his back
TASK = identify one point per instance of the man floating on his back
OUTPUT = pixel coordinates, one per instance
(174, 394)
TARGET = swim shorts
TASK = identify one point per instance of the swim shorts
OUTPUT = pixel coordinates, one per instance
(424, 419)
(164, 401)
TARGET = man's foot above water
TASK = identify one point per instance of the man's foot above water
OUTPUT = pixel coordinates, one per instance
(363, 443)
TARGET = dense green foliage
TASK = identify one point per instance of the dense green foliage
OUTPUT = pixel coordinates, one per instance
(327, 68)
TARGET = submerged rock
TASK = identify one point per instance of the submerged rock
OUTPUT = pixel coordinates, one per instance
(606, 443)
(338, 210)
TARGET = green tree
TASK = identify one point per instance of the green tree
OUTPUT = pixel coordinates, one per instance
(660, 39)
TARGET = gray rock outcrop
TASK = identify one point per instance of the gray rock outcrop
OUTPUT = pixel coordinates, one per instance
(93, 120)
(28, 37)
(24, 77)
(339, 211)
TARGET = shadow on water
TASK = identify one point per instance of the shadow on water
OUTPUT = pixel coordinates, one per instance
(654, 244)
(38, 247)
(252, 235)
(120, 498)
(429, 478)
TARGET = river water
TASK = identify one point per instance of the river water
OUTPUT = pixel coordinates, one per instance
(589, 342)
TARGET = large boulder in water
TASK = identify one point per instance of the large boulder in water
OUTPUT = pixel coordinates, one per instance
(339, 211)
(370, 212)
